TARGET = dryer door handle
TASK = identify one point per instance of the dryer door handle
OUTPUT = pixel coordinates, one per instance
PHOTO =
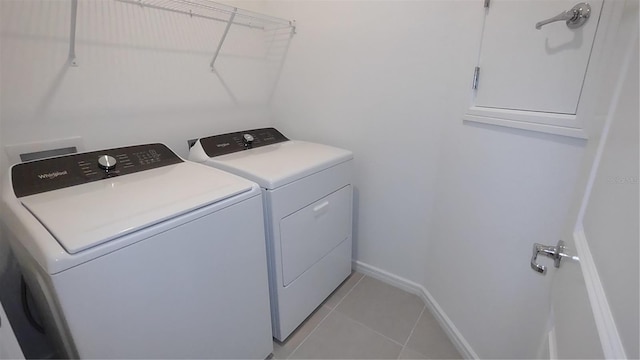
(319, 209)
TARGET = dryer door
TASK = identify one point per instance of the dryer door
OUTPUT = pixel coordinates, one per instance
(310, 233)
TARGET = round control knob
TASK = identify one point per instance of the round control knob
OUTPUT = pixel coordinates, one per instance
(106, 162)
(247, 139)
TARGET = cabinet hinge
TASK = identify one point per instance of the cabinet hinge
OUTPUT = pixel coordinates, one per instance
(476, 76)
(486, 3)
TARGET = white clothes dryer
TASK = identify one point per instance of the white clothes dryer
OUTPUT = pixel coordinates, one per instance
(135, 253)
(307, 191)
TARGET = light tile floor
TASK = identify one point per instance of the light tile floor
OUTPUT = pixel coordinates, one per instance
(368, 319)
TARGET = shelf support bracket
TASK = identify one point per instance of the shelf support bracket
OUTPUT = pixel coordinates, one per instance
(292, 23)
(224, 36)
(72, 35)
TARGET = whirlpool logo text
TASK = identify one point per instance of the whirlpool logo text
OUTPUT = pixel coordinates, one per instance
(53, 175)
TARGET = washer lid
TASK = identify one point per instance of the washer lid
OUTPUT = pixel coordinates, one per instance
(86, 215)
(275, 165)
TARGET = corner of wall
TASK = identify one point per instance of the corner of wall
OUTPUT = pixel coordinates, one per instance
(461, 344)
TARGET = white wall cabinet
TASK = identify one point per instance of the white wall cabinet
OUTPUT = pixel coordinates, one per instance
(533, 78)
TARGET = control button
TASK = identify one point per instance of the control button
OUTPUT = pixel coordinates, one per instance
(247, 139)
(106, 162)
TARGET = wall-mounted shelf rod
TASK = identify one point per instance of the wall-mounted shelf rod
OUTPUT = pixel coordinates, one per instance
(292, 31)
(72, 36)
(224, 36)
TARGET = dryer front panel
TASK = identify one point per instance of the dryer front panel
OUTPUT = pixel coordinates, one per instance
(310, 233)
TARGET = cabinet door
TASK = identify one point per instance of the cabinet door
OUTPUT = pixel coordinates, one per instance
(522, 68)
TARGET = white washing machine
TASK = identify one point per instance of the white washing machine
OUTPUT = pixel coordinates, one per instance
(134, 253)
(307, 195)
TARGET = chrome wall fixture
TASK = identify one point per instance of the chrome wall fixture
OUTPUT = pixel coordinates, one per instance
(557, 253)
(575, 17)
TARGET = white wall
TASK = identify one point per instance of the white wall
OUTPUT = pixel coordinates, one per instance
(4, 246)
(441, 202)
(375, 77)
(499, 191)
(451, 205)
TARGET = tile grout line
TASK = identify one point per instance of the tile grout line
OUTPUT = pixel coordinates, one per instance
(375, 331)
(424, 307)
(309, 334)
(368, 328)
(325, 317)
(348, 292)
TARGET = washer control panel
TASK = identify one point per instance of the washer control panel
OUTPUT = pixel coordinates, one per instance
(60, 172)
(242, 140)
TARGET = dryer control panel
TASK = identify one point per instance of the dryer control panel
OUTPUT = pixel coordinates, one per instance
(60, 172)
(242, 140)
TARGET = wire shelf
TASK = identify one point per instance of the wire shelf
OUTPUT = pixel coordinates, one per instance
(215, 11)
(277, 31)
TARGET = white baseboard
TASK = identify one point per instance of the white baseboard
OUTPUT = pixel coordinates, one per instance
(447, 325)
(553, 344)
